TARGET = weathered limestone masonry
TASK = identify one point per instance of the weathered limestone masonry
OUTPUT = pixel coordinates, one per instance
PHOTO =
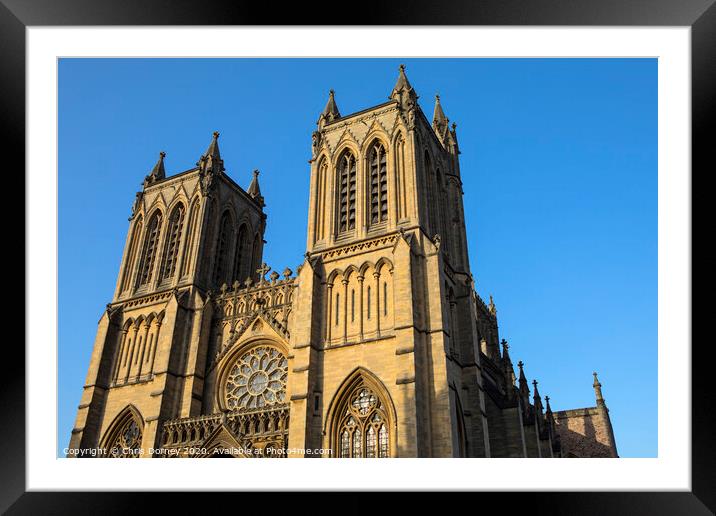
(378, 346)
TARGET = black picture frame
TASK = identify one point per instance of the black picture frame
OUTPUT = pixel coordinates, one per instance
(700, 15)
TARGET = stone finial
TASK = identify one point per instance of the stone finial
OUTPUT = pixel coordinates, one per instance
(597, 389)
(491, 306)
(287, 273)
(248, 282)
(274, 276)
(237, 285)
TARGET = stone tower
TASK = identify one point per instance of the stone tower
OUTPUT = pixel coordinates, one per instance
(189, 235)
(385, 299)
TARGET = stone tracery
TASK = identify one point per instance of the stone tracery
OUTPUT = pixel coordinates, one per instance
(363, 428)
(124, 438)
(257, 379)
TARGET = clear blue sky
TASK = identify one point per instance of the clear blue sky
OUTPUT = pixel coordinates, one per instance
(559, 164)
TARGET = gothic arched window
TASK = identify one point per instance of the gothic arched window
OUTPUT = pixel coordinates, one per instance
(400, 177)
(151, 242)
(124, 438)
(363, 427)
(346, 192)
(430, 182)
(171, 245)
(223, 244)
(190, 237)
(378, 184)
(131, 254)
(442, 207)
(256, 255)
(239, 255)
(321, 186)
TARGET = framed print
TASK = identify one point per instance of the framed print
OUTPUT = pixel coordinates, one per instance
(443, 240)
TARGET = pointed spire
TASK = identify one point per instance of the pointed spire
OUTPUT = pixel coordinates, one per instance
(524, 391)
(158, 173)
(598, 389)
(505, 351)
(211, 159)
(524, 388)
(254, 190)
(213, 149)
(439, 115)
(507, 363)
(451, 139)
(491, 306)
(440, 121)
(158, 170)
(549, 418)
(537, 398)
(403, 92)
(330, 112)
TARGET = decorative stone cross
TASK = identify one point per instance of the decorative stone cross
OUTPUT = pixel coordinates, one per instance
(262, 272)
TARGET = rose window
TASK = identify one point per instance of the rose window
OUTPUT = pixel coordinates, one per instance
(257, 379)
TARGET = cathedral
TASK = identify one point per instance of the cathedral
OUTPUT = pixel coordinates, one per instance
(378, 345)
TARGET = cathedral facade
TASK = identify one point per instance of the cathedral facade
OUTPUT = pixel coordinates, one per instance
(378, 345)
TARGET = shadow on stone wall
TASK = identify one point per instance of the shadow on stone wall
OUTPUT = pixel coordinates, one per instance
(586, 445)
